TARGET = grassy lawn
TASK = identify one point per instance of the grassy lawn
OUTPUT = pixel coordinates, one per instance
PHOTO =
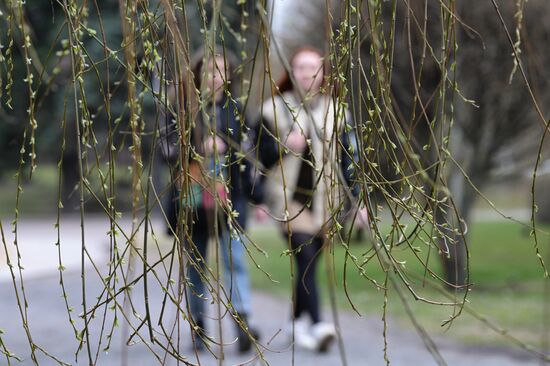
(38, 196)
(508, 283)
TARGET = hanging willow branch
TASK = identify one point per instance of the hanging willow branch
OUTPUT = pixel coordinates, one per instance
(123, 74)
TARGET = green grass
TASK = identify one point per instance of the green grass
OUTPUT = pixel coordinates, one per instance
(508, 283)
(38, 195)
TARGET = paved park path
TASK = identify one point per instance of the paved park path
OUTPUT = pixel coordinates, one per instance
(49, 326)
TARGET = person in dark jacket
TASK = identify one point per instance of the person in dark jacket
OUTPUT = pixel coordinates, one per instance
(214, 198)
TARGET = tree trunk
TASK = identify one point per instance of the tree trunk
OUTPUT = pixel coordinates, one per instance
(453, 219)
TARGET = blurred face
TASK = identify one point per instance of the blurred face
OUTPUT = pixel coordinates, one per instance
(307, 68)
(215, 77)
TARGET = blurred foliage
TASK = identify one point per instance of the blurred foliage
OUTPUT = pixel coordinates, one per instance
(104, 78)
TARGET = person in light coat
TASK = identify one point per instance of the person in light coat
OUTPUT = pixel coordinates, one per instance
(305, 144)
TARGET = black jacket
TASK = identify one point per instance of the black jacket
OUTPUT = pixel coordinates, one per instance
(230, 128)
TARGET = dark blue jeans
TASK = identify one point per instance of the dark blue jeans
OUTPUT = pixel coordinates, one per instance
(236, 290)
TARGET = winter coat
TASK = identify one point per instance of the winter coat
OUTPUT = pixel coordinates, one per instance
(230, 129)
(322, 121)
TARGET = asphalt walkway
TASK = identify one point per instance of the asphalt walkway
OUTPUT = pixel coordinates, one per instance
(50, 328)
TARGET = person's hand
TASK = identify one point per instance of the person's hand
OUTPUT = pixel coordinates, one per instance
(362, 219)
(221, 147)
(260, 213)
(296, 141)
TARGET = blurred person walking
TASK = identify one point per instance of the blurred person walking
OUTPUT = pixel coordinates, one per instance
(304, 145)
(216, 187)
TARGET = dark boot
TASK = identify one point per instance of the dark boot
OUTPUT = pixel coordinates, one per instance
(246, 335)
(199, 336)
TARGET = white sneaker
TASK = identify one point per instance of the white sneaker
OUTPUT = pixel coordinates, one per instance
(323, 334)
(302, 335)
(296, 325)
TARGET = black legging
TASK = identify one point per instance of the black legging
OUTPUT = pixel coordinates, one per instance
(172, 210)
(307, 249)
